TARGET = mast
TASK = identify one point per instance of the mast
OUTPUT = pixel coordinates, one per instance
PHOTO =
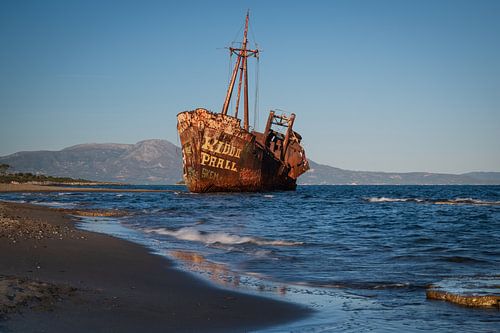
(231, 86)
(239, 93)
(245, 73)
(241, 63)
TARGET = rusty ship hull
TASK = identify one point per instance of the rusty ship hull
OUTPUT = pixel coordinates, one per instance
(220, 156)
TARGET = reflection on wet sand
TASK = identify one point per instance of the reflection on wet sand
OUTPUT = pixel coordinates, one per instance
(218, 273)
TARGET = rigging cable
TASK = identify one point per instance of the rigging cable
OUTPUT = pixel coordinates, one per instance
(257, 71)
(256, 98)
(229, 72)
(233, 43)
(237, 36)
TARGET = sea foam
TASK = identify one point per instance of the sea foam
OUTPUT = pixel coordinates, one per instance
(384, 199)
(195, 235)
(456, 201)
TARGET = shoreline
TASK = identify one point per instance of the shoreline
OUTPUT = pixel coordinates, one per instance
(50, 188)
(57, 278)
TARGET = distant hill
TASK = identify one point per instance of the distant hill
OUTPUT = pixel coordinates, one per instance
(160, 162)
(146, 162)
(324, 174)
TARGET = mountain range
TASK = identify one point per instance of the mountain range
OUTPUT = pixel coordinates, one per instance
(160, 162)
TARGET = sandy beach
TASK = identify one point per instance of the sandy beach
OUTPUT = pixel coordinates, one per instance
(56, 278)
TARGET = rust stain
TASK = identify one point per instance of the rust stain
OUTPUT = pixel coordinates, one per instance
(219, 155)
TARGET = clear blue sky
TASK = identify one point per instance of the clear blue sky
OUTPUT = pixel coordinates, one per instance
(376, 85)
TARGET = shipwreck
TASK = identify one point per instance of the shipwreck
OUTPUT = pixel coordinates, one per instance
(220, 155)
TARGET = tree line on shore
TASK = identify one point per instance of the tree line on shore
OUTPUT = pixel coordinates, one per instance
(27, 177)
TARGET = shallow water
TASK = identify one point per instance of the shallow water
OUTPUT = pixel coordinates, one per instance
(360, 255)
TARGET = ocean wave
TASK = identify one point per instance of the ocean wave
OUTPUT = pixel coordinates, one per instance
(470, 285)
(384, 199)
(361, 285)
(469, 201)
(54, 204)
(185, 193)
(13, 201)
(462, 260)
(456, 201)
(193, 234)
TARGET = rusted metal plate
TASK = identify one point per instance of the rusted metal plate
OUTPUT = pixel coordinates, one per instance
(219, 156)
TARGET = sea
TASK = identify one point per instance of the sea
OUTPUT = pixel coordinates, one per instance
(361, 257)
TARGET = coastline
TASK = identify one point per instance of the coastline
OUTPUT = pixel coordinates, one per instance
(56, 278)
(50, 188)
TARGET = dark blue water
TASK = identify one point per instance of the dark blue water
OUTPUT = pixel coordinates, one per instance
(360, 255)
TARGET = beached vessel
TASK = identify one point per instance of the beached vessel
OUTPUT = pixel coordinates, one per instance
(220, 155)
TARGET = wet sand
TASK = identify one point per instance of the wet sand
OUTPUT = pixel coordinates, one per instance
(55, 278)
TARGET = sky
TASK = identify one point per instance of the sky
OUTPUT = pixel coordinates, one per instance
(394, 86)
